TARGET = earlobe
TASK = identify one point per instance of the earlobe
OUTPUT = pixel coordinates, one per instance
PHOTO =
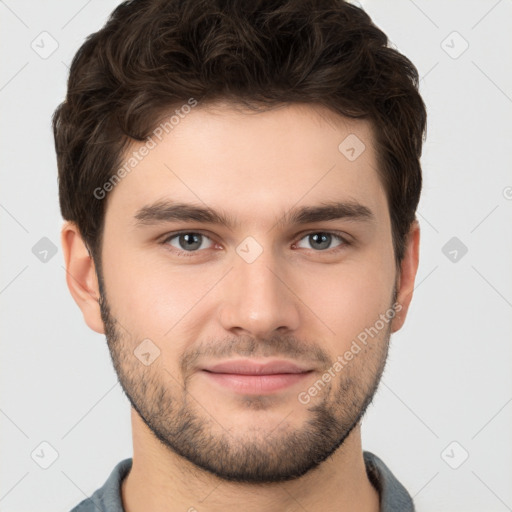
(81, 276)
(408, 269)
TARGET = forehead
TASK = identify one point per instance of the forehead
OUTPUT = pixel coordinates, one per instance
(254, 164)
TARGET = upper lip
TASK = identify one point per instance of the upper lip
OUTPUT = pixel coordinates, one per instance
(251, 367)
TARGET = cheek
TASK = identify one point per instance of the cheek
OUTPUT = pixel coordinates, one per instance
(149, 296)
(350, 298)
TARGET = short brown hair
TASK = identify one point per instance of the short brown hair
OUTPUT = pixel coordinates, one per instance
(153, 55)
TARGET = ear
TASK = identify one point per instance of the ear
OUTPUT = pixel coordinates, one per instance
(81, 276)
(408, 269)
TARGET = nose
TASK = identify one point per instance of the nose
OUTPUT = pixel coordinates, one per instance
(258, 298)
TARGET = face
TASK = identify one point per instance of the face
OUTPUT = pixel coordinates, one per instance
(281, 279)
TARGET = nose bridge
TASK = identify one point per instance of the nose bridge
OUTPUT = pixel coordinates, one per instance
(259, 277)
(258, 300)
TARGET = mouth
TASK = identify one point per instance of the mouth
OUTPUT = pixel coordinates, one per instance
(256, 378)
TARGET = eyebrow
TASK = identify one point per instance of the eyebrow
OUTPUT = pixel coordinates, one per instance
(169, 211)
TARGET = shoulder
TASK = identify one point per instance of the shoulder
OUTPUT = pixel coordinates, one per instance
(394, 497)
(107, 497)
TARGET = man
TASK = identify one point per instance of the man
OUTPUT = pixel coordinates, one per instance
(239, 182)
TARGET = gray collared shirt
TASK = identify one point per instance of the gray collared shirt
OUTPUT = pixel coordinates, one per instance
(393, 495)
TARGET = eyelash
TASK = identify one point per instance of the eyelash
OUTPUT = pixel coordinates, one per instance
(187, 254)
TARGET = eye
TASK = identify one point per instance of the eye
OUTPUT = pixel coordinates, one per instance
(187, 241)
(321, 240)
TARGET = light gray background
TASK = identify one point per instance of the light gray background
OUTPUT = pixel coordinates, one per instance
(449, 375)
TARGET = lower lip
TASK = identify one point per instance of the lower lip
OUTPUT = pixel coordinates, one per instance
(256, 384)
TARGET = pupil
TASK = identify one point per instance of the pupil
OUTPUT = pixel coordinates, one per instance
(324, 239)
(190, 239)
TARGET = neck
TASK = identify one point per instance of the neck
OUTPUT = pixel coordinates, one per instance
(161, 480)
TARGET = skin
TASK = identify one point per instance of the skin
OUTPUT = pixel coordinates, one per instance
(197, 445)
